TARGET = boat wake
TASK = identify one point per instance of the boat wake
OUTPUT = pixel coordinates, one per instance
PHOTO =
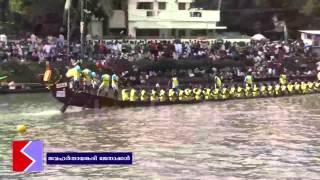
(42, 113)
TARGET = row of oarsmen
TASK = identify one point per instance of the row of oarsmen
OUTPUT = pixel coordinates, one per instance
(234, 92)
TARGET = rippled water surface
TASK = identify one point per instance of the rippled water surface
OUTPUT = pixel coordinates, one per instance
(249, 139)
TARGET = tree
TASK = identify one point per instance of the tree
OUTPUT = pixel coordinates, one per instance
(98, 8)
(4, 10)
(312, 7)
(101, 9)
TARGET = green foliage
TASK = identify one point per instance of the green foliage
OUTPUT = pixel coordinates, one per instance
(312, 7)
(22, 72)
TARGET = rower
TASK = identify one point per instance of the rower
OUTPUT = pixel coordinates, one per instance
(162, 95)
(232, 91)
(86, 73)
(105, 85)
(255, 91)
(263, 90)
(125, 95)
(207, 94)
(239, 92)
(310, 87)
(248, 90)
(188, 95)
(94, 80)
(76, 74)
(284, 89)
(290, 87)
(133, 95)
(115, 84)
(144, 96)
(224, 93)
(181, 95)
(248, 80)
(270, 90)
(154, 95)
(303, 87)
(172, 95)
(215, 94)
(297, 87)
(198, 94)
(277, 89)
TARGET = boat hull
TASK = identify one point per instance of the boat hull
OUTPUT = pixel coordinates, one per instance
(63, 94)
(81, 99)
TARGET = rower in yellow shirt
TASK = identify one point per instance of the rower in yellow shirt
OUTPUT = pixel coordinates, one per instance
(290, 87)
(172, 95)
(263, 90)
(154, 96)
(255, 91)
(133, 95)
(163, 96)
(125, 93)
(144, 96)
(239, 92)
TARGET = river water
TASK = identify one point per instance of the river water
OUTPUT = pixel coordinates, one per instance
(273, 138)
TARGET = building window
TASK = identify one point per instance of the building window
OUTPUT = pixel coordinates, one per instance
(145, 5)
(195, 14)
(162, 5)
(182, 6)
(150, 13)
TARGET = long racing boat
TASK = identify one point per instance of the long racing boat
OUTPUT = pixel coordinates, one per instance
(64, 94)
(62, 91)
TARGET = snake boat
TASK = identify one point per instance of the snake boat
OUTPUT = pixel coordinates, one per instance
(69, 97)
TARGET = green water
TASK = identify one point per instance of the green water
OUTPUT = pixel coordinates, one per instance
(250, 139)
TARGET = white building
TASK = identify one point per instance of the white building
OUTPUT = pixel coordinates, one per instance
(310, 37)
(165, 19)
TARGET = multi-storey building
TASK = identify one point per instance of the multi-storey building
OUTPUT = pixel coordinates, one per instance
(164, 19)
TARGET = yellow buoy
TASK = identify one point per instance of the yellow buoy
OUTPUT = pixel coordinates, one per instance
(21, 128)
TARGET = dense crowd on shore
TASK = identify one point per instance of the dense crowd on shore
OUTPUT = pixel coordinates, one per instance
(51, 48)
(268, 57)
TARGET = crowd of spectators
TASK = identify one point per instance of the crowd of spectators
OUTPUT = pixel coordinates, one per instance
(268, 57)
(52, 48)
